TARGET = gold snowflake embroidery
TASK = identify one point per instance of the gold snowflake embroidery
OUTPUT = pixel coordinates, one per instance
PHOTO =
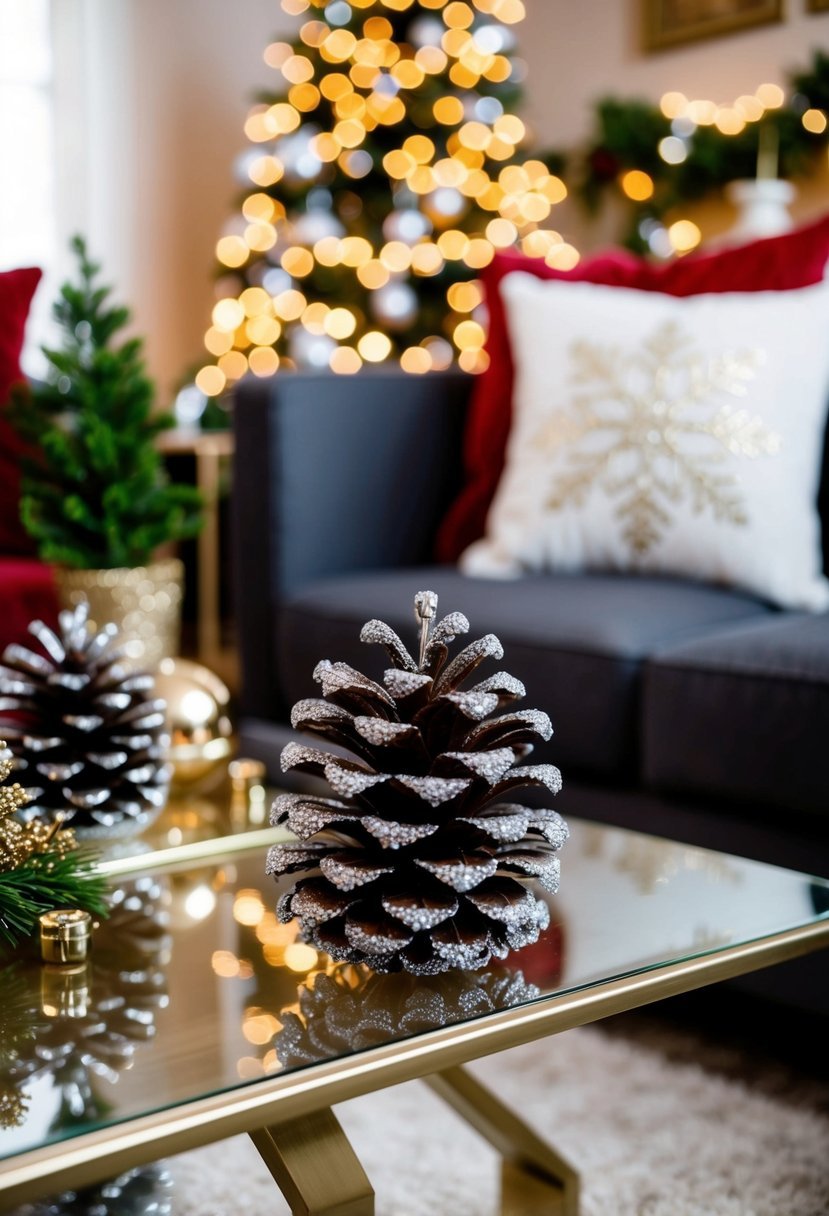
(649, 429)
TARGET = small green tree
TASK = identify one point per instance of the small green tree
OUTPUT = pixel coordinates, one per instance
(95, 494)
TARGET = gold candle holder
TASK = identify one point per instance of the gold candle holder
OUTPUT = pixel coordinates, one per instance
(65, 936)
(247, 793)
(65, 991)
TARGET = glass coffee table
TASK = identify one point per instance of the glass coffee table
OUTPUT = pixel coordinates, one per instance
(199, 1016)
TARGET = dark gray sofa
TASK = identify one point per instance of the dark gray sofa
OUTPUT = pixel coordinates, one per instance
(692, 711)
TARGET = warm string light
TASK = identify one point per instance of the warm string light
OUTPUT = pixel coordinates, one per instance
(686, 115)
(464, 161)
(814, 121)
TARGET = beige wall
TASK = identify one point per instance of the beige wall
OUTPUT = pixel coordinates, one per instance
(152, 97)
(167, 84)
(578, 50)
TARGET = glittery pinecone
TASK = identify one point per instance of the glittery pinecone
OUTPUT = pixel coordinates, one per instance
(87, 735)
(350, 1008)
(418, 862)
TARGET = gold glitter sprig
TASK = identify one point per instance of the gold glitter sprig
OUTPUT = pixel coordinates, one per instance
(39, 866)
(19, 842)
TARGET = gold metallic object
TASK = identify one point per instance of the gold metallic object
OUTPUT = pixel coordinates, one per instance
(197, 719)
(65, 935)
(187, 819)
(209, 449)
(248, 798)
(84, 1159)
(294, 1153)
(16, 842)
(193, 852)
(143, 601)
(65, 991)
(668, 25)
(534, 1177)
(21, 841)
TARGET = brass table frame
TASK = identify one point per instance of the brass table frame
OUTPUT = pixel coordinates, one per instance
(288, 1115)
(208, 448)
(535, 1180)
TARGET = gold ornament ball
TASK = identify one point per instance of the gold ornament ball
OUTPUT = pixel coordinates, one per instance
(197, 719)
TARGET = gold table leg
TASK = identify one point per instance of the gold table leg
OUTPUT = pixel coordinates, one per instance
(319, 1174)
(535, 1179)
(209, 616)
(315, 1167)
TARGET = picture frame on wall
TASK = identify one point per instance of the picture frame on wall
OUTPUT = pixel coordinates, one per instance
(669, 23)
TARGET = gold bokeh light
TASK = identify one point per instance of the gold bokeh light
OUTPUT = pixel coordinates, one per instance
(312, 251)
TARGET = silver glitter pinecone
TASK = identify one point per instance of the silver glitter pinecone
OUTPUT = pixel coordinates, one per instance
(350, 1008)
(418, 863)
(88, 736)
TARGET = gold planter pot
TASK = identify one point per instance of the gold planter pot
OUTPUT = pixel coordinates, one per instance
(143, 601)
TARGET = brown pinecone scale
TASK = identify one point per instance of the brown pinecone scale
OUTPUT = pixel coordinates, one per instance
(421, 861)
(88, 736)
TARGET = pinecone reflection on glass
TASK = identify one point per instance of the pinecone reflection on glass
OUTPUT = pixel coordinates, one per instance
(88, 736)
(350, 1008)
(146, 1190)
(418, 862)
(78, 1026)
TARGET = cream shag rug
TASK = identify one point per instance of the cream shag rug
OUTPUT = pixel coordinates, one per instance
(659, 1122)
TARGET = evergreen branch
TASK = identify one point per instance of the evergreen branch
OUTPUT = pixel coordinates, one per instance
(95, 492)
(628, 133)
(43, 883)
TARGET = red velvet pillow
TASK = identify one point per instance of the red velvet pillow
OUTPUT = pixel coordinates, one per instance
(16, 290)
(781, 263)
(28, 593)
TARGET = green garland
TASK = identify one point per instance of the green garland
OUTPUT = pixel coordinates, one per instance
(42, 884)
(629, 132)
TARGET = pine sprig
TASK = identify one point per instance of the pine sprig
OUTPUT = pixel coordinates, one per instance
(43, 883)
(96, 494)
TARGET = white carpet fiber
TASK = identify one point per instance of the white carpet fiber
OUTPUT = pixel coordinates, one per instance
(658, 1121)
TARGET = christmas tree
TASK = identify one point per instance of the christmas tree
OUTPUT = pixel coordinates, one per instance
(386, 169)
(95, 494)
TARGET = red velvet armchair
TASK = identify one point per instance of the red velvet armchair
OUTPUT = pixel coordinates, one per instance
(26, 585)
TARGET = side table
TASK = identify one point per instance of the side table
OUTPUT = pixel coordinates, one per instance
(208, 448)
(230, 1030)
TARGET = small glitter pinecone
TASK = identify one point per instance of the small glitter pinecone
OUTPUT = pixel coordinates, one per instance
(418, 863)
(87, 735)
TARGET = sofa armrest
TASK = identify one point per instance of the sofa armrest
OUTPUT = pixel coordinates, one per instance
(334, 474)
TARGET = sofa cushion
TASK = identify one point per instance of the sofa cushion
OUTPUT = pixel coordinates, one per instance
(666, 441)
(577, 642)
(744, 711)
(780, 263)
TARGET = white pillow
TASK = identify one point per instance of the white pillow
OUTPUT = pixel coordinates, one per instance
(658, 434)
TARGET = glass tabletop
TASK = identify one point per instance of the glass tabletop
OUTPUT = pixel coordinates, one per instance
(195, 989)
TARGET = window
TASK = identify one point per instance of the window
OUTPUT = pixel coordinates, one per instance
(27, 197)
